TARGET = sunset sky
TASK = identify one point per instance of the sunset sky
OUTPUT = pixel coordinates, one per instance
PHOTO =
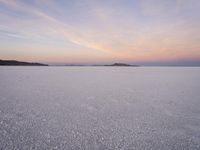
(101, 31)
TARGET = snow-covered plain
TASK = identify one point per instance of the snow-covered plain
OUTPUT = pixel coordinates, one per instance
(100, 108)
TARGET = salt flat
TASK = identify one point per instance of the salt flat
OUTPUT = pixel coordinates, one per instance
(101, 108)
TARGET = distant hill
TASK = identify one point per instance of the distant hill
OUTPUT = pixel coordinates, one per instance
(122, 64)
(109, 65)
(19, 63)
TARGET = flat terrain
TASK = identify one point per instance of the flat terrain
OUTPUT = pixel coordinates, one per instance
(101, 108)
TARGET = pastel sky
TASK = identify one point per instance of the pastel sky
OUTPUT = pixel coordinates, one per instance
(100, 31)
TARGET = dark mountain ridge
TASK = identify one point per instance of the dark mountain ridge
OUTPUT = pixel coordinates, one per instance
(19, 63)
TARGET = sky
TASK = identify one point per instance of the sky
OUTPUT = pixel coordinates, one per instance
(101, 31)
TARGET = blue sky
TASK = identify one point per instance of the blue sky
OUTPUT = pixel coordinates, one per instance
(100, 31)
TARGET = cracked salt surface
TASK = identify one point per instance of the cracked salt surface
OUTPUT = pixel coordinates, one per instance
(99, 108)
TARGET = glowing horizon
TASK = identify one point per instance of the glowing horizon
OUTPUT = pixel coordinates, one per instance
(92, 31)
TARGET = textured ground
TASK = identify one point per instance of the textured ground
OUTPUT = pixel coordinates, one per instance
(100, 108)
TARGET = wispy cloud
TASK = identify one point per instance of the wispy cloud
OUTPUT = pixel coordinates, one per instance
(146, 29)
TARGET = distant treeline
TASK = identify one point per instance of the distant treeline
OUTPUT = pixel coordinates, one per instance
(19, 63)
